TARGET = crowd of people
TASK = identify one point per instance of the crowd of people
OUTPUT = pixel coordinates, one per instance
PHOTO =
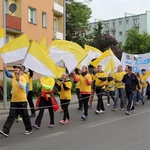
(125, 85)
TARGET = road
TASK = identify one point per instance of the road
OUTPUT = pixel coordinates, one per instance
(108, 131)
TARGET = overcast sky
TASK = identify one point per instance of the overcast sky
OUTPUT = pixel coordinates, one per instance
(110, 9)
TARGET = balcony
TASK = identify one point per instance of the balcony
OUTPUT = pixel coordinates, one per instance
(13, 22)
(58, 36)
(58, 9)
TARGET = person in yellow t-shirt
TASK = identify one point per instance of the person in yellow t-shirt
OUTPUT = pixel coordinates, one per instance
(78, 92)
(143, 84)
(100, 83)
(18, 100)
(65, 97)
(29, 73)
(85, 88)
(119, 88)
(93, 87)
(47, 83)
(110, 87)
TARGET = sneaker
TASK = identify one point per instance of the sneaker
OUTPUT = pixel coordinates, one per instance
(114, 109)
(79, 108)
(67, 121)
(19, 119)
(137, 103)
(128, 113)
(62, 122)
(132, 111)
(143, 102)
(32, 115)
(97, 112)
(84, 117)
(101, 111)
(35, 126)
(108, 104)
(122, 108)
(50, 126)
(3, 133)
(28, 132)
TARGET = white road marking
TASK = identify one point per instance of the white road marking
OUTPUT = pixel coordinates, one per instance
(92, 123)
(51, 135)
(119, 118)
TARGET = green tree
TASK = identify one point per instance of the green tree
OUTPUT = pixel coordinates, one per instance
(77, 16)
(137, 43)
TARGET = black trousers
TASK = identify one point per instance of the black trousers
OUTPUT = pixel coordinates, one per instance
(48, 105)
(65, 104)
(100, 104)
(79, 97)
(130, 105)
(85, 100)
(30, 100)
(22, 106)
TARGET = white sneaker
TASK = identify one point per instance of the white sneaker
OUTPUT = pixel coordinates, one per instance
(97, 112)
(128, 113)
(101, 111)
(108, 104)
(28, 132)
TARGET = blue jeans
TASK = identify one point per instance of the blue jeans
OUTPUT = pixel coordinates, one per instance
(119, 93)
(137, 95)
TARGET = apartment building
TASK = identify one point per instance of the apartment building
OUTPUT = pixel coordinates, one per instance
(36, 18)
(118, 27)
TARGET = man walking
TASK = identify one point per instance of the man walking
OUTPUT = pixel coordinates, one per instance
(18, 101)
(131, 82)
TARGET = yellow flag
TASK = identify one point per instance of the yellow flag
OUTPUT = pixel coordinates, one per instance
(42, 43)
(104, 55)
(69, 52)
(88, 48)
(2, 42)
(15, 50)
(146, 75)
(38, 61)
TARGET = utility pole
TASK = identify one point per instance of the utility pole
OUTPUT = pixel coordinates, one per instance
(4, 75)
(64, 37)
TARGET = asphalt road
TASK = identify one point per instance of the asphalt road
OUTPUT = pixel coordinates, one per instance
(108, 131)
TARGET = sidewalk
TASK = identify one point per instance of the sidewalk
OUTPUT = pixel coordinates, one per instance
(74, 100)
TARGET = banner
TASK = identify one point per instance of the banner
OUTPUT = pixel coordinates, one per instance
(138, 62)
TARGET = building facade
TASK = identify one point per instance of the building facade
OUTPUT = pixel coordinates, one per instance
(36, 18)
(118, 27)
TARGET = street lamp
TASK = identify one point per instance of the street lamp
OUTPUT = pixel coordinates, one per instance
(4, 75)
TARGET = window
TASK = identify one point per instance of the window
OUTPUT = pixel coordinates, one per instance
(120, 33)
(136, 21)
(55, 25)
(32, 15)
(120, 22)
(44, 19)
(113, 24)
(127, 21)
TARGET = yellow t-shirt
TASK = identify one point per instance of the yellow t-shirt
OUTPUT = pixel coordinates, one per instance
(143, 82)
(49, 81)
(119, 76)
(110, 85)
(78, 83)
(66, 94)
(84, 86)
(30, 81)
(99, 82)
(18, 94)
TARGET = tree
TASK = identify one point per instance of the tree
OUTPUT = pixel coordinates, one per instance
(105, 41)
(77, 16)
(137, 43)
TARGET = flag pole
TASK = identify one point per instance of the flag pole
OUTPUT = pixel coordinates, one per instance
(4, 75)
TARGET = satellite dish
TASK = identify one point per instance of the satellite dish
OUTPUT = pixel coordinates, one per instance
(12, 7)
